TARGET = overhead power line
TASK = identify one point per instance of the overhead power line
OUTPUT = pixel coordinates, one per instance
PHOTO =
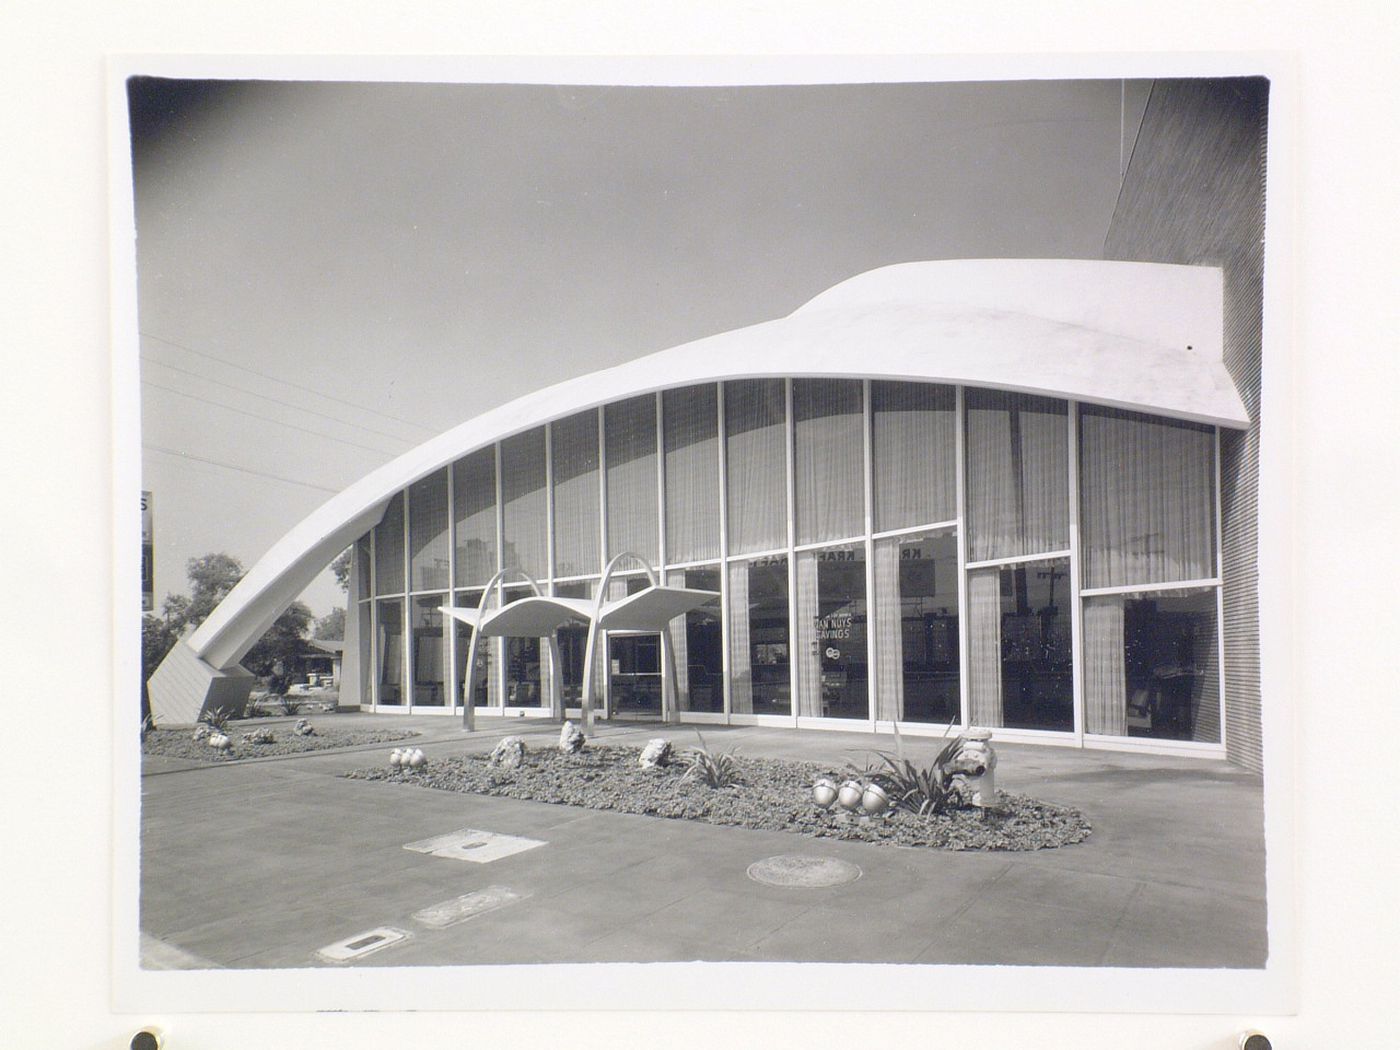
(287, 383)
(277, 401)
(241, 470)
(264, 419)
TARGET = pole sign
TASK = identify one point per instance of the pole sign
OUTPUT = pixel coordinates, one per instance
(148, 558)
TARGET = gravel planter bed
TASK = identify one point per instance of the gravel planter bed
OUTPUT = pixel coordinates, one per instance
(773, 795)
(176, 743)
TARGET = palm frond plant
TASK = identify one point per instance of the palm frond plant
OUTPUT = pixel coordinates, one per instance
(712, 770)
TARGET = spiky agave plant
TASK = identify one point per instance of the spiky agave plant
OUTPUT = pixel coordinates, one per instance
(712, 770)
(920, 789)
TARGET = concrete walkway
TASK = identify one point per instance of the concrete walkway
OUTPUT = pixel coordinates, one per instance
(260, 863)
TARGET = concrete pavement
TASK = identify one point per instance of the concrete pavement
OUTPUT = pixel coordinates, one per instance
(260, 863)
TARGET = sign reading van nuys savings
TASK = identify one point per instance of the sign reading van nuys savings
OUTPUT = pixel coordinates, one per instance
(148, 558)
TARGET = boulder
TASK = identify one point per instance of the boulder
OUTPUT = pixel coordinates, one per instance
(509, 753)
(303, 728)
(201, 732)
(658, 752)
(570, 739)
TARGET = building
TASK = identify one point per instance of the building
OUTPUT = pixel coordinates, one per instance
(1008, 493)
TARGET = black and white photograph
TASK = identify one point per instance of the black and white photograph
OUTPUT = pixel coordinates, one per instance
(703, 523)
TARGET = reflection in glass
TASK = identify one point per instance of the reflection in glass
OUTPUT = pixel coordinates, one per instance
(916, 628)
(474, 509)
(573, 644)
(429, 685)
(758, 637)
(523, 495)
(832, 657)
(362, 566)
(828, 458)
(486, 691)
(1017, 475)
(1151, 666)
(391, 669)
(634, 675)
(698, 642)
(427, 531)
(388, 549)
(1019, 646)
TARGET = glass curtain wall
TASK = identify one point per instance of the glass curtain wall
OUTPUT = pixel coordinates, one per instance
(756, 464)
(916, 639)
(1149, 660)
(914, 454)
(697, 642)
(474, 513)
(833, 673)
(429, 651)
(690, 422)
(630, 433)
(485, 691)
(523, 495)
(759, 657)
(1147, 513)
(574, 461)
(427, 533)
(829, 459)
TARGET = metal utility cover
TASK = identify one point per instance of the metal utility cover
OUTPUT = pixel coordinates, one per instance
(479, 847)
(361, 944)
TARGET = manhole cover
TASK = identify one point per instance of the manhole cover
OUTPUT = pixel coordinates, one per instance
(791, 870)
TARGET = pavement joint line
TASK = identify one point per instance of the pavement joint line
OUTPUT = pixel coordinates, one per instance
(1112, 938)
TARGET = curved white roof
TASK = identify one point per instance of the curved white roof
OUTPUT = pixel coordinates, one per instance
(1144, 336)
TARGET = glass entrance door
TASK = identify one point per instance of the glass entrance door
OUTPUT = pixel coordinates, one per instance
(634, 675)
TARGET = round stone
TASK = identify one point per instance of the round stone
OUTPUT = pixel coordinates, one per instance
(793, 870)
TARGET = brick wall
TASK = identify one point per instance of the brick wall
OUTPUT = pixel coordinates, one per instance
(1194, 193)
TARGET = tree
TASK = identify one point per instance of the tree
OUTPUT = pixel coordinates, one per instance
(276, 652)
(330, 627)
(211, 578)
(341, 568)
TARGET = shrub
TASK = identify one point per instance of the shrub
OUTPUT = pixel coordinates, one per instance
(921, 790)
(713, 770)
(218, 719)
(288, 705)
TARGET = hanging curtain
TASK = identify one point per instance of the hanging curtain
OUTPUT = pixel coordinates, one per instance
(1017, 475)
(889, 634)
(1105, 674)
(1148, 499)
(427, 532)
(914, 434)
(523, 494)
(630, 433)
(388, 549)
(574, 462)
(829, 458)
(690, 423)
(474, 510)
(740, 657)
(984, 647)
(1205, 700)
(676, 630)
(806, 650)
(756, 463)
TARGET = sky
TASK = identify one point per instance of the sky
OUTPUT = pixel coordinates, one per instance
(331, 273)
